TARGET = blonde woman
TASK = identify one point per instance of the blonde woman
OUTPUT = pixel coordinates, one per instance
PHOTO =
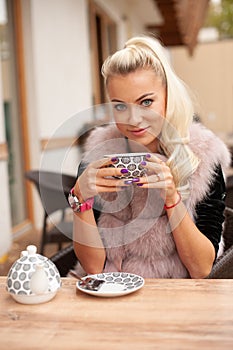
(168, 223)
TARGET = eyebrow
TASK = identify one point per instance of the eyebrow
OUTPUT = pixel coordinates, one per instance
(138, 99)
(145, 95)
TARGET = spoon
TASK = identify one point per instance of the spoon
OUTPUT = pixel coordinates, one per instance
(89, 283)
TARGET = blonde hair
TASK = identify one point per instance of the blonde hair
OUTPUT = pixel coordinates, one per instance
(148, 53)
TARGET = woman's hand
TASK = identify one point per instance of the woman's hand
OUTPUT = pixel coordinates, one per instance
(99, 177)
(159, 176)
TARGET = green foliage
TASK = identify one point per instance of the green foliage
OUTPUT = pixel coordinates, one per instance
(221, 17)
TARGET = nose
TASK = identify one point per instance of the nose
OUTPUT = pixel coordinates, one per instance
(135, 115)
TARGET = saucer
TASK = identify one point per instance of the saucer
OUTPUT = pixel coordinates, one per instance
(116, 284)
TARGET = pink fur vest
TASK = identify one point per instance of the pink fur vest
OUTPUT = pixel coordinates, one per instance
(133, 224)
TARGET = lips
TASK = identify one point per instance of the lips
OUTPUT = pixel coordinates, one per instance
(138, 132)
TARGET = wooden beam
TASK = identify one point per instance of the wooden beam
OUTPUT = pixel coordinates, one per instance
(19, 50)
(58, 142)
(3, 151)
(191, 15)
(182, 21)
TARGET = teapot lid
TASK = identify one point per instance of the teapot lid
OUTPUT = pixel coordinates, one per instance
(30, 250)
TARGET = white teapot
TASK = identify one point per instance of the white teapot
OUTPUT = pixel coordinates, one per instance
(33, 278)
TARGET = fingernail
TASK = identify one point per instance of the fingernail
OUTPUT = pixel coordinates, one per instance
(148, 155)
(124, 171)
(143, 162)
(135, 179)
(114, 159)
(128, 182)
(139, 184)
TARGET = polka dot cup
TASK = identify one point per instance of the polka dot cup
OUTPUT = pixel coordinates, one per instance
(33, 278)
(131, 162)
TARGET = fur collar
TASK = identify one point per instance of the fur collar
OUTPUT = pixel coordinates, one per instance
(133, 224)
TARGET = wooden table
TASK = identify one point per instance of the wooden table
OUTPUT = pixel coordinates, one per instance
(164, 314)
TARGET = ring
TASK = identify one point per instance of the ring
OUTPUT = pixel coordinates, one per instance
(158, 176)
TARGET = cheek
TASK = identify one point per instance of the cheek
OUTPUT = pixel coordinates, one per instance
(156, 124)
(121, 127)
(160, 108)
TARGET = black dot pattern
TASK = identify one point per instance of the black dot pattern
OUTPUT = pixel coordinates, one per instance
(18, 279)
(128, 280)
(132, 162)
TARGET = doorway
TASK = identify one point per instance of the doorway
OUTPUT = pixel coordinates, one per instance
(103, 44)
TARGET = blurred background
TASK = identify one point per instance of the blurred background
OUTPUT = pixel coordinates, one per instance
(51, 54)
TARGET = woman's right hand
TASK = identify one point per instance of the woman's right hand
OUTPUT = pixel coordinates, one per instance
(99, 177)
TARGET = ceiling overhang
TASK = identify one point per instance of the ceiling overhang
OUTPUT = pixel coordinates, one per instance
(182, 20)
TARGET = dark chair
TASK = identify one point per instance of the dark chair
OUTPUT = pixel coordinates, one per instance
(65, 260)
(228, 229)
(229, 191)
(53, 189)
(223, 267)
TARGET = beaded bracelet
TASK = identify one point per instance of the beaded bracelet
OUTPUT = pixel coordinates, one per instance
(173, 205)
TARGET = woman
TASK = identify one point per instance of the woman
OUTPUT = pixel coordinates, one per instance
(167, 224)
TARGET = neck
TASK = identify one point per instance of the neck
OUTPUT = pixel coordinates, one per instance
(136, 147)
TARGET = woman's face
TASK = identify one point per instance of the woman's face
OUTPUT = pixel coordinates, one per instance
(139, 101)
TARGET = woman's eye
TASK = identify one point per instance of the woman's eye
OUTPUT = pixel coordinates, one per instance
(147, 102)
(120, 107)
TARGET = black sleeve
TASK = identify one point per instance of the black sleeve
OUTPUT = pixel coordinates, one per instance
(82, 166)
(210, 211)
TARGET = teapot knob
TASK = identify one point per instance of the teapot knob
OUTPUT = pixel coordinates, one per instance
(39, 281)
(31, 249)
(23, 253)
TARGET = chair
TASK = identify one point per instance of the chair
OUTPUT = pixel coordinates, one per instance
(229, 191)
(65, 260)
(223, 267)
(53, 189)
(228, 229)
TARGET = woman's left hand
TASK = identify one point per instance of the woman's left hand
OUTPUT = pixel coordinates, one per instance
(159, 176)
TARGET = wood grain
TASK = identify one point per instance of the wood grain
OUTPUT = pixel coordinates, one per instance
(3, 151)
(164, 314)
